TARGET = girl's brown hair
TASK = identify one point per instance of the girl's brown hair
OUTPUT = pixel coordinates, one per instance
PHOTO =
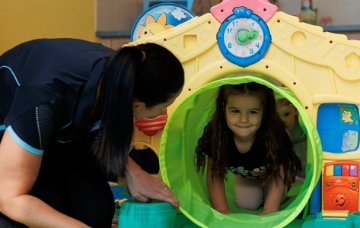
(216, 136)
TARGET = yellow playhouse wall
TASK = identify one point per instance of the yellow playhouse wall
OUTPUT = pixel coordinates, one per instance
(317, 66)
(22, 20)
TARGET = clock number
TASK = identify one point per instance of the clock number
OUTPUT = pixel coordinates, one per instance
(257, 45)
(229, 30)
(251, 51)
(229, 45)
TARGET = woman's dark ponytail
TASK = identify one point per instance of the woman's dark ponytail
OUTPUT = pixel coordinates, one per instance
(148, 72)
(116, 99)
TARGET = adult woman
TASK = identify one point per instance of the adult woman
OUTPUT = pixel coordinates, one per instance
(68, 106)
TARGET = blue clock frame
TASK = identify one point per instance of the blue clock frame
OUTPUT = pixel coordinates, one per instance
(255, 56)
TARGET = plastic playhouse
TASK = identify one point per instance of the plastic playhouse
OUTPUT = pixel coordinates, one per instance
(240, 41)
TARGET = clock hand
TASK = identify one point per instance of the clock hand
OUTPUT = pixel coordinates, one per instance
(244, 36)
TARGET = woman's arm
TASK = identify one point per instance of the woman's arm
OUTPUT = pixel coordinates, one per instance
(216, 188)
(275, 194)
(18, 172)
(143, 186)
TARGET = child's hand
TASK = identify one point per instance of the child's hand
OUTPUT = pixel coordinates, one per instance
(225, 212)
(266, 212)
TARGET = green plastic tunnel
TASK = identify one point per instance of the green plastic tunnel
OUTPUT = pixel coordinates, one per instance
(178, 170)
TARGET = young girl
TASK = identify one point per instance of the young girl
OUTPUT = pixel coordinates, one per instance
(247, 137)
(289, 114)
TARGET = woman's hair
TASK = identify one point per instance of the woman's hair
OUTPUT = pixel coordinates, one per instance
(147, 72)
(216, 136)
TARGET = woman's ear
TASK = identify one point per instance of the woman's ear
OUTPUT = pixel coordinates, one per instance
(138, 107)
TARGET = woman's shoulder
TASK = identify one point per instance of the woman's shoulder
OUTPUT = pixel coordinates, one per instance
(48, 49)
(60, 43)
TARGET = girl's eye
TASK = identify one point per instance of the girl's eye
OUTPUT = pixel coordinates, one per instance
(253, 112)
(235, 111)
(286, 114)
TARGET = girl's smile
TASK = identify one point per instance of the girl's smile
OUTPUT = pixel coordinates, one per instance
(243, 115)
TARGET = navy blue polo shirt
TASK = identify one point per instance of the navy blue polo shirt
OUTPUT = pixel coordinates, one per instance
(48, 86)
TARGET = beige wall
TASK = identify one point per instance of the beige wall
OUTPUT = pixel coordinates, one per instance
(22, 20)
(117, 15)
(352, 35)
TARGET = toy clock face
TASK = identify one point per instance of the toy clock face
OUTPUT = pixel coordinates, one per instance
(243, 37)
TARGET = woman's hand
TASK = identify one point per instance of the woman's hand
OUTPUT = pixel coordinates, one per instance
(143, 186)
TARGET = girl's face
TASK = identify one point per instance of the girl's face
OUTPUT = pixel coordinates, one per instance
(243, 115)
(288, 114)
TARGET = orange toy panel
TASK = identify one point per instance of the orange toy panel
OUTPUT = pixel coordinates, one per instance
(341, 185)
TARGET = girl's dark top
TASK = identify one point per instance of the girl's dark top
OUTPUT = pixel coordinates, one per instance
(47, 90)
(249, 165)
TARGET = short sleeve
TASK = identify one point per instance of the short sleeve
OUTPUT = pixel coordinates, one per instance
(33, 129)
